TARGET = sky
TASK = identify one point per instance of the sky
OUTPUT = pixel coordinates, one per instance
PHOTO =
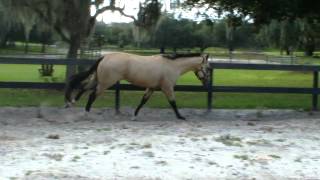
(132, 7)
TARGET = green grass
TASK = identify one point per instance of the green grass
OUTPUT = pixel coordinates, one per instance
(19, 49)
(254, 78)
(221, 77)
(21, 97)
(30, 73)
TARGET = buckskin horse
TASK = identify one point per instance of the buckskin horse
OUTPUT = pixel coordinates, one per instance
(151, 72)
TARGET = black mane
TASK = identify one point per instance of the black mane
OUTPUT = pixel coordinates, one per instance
(176, 56)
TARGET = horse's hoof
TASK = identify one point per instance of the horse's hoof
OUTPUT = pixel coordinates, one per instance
(67, 105)
(181, 118)
(86, 113)
(134, 118)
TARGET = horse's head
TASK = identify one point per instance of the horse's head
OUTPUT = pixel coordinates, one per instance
(203, 72)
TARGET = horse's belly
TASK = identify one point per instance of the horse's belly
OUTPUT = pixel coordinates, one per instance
(144, 74)
(143, 83)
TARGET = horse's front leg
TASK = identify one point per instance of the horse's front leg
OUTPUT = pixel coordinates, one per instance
(92, 97)
(168, 91)
(78, 96)
(144, 99)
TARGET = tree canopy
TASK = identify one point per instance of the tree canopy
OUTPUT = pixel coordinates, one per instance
(263, 11)
(283, 24)
(71, 19)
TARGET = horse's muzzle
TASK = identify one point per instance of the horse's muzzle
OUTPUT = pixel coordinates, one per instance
(205, 83)
(67, 105)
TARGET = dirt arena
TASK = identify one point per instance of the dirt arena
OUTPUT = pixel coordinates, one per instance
(55, 143)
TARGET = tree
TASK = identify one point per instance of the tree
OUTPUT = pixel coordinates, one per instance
(149, 14)
(71, 19)
(269, 34)
(116, 33)
(263, 11)
(204, 33)
(5, 27)
(288, 36)
(43, 34)
(7, 23)
(309, 35)
(173, 33)
(28, 20)
(232, 22)
(148, 17)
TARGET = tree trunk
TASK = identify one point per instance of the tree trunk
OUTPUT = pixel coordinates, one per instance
(27, 38)
(202, 49)
(175, 50)
(309, 52)
(26, 46)
(162, 50)
(4, 41)
(287, 51)
(230, 46)
(44, 41)
(43, 48)
(309, 49)
(73, 54)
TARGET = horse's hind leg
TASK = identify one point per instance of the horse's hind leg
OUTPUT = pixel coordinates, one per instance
(144, 99)
(168, 91)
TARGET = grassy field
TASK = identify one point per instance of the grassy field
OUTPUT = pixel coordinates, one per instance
(18, 49)
(30, 73)
(21, 97)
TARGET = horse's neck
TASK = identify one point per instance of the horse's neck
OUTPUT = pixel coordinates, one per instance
(188, 64)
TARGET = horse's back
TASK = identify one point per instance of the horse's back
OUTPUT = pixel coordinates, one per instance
(131, 61)
(145, 71)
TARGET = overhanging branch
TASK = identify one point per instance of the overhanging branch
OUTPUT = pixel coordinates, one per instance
(113, 8)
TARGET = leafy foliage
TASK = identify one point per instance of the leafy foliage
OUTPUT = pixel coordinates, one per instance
(149, 14)
(263, 11)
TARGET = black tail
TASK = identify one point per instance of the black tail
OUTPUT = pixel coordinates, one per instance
(76, 80)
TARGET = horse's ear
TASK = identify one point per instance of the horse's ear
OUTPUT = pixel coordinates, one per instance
(205, 58)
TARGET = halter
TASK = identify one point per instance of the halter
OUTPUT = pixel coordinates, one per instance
(203, 72)
(203, 78)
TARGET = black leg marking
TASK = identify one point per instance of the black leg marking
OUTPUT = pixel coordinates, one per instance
(80, 93)
(144, 99)
(91, 99)
(174, 106)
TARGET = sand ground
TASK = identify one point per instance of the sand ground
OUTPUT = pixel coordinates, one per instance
(55, 143)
